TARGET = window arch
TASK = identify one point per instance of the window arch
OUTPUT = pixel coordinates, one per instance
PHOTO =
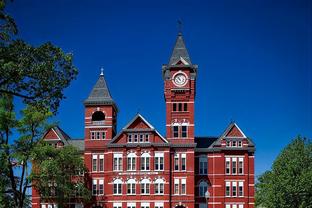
(131, 161)
(145, 161)
(131, 186)
(159, 186)
(203, 188)
(145, 186)
(98, 116)
(117, 186)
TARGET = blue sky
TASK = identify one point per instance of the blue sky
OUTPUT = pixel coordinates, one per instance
(254, 60)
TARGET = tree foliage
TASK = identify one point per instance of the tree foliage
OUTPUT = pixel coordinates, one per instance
(289, 183)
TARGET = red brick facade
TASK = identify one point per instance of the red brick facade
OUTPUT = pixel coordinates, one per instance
(139, 168)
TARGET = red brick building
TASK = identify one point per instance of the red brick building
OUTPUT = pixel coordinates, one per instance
(140, 168)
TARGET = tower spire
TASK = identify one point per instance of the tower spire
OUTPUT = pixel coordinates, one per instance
(179, 52)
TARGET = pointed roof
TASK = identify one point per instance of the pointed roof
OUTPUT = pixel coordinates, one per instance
(179, 52)
(100, 94)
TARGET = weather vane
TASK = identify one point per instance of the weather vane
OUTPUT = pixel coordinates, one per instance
(180, 25)
(102, 71)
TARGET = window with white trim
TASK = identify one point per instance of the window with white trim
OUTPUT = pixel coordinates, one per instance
(227, 188)
(203, 165)
(234, 163)
(131, 205)
(176, 162)
(175, 131)
(176, 186)
(101, 187)
(159, 161)
(203, 187)
(159, 186)
(240, 165)
(159, 204)
(117, 187)
(145, 205)
(131, 187)
(97, 135)
(145, 161)
(94, 163)
(117, 161)
(101, 163)
(145, 186)
(183, 131)
(227, 165)
(94, 187)
(183, 162)
(183, 186)
(117, 205)
(131, 158)
(234, 188)
(240, 188)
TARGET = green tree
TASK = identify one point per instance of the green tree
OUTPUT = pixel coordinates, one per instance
(61, 175)
(289, 183)
(37, 76)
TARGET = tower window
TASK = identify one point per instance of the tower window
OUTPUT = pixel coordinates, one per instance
(174, 107)
(180, 106)
(175, 131)
(185, 107)
(184, 131)
(98, 116)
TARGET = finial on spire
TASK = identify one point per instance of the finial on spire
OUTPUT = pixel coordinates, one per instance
(180, 26)
(102, 71)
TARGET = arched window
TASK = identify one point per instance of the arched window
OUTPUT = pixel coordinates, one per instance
(145, 161)
(98, 116)
(145, 186)
(117, 186)
(131, 186)
(131, 157)
(203, 187)
(159, 186)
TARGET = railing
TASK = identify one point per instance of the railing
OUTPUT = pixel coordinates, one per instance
(98, 122)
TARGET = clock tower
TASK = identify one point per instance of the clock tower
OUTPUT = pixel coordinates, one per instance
(179, 89)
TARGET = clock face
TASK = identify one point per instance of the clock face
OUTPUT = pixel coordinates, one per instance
(180, 80)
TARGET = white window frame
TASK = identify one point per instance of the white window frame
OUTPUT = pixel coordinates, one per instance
(227, 166)
(145, 162)
(117, 162)
(234, 166)
(183, 186)
(117, 187)
(101, 187)
(94, 163)
(132, 158)
(176, 187)
(176, 158)
(183, 160)
(159, 205)
(240, 186)
(240, 162)
(131, 183)
(101, 163)
(145, 186)
(94, 187)
(159, 156)
(159, 185)
(227, 186)
(234, 189)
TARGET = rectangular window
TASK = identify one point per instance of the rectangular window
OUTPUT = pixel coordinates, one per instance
(135, 138)
(240, 165)
(227, 188)
(184, 131)
(241, 188)
(159, 188)
(145, 163)
(183, 162)
(97, 135)
(180, 106)
(103, 135)
(131, 163)
(101, 163)
(234, 144)
(117, 188)
(241, 206)
(234, 206)
(240, 143)
(94, 187)
(131, 205)
(131, 188)
(176, 162)
(227, 165)
(185, 107)
(183, 186)
(228, 143)
(101, 187)
(234, 163)
(175, 131)
(129, 138)
(203, 165)
(117, 161)
(176, 186)
(92, 135)
(159, 161)
(228, 206)
(159, 205)
(146, 138)
(94, 163)
(117, 205)
(174, 106)
(234, 188)
(145, 205)
(141, 138)
(145, 188)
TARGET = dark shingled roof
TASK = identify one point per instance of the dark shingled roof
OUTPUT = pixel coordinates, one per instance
(179, 50)
(204, 142)
(78, 143)
(100, 94)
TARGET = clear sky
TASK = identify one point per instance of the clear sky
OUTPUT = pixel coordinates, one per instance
(254, 58)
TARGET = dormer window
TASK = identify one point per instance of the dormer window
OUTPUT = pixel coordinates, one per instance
(138, 138)
(234, 144)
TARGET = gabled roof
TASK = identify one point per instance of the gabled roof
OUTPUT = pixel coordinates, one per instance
(100, 94)
(127, 129)
(179, 52)
(63, 137)
(233, 132)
